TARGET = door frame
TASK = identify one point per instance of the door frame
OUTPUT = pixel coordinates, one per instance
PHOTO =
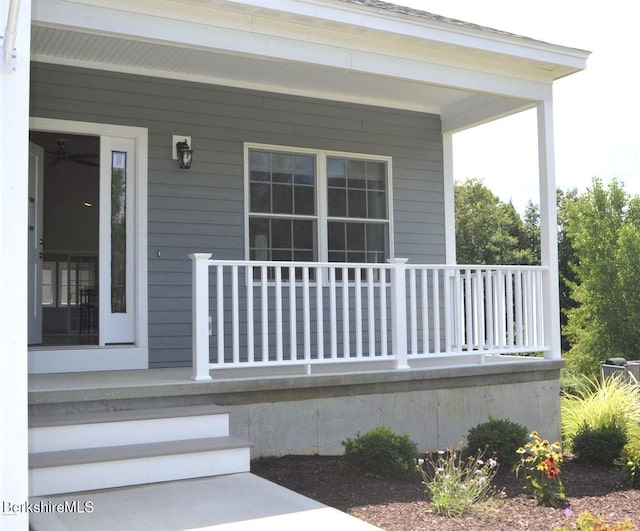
(113, 357)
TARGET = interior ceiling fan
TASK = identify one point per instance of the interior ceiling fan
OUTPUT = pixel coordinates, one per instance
(62, 155)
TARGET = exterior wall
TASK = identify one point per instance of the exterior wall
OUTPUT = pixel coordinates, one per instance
(202, 210)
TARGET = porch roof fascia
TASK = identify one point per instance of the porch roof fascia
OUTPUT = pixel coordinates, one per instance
(441, 63)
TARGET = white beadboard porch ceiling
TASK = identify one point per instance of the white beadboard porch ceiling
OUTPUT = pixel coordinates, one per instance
(326, 49)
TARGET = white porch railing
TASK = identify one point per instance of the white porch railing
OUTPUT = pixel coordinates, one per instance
(253, 315)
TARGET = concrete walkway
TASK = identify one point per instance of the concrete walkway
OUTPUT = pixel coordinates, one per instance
(236, 502)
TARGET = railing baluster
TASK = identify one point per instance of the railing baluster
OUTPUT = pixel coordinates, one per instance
(413, 311)
(489, 310)
(333, 313)
(319, 313)
(468, 295)
(384, 340)
(235, 314)
(278, 296)
(371, 316)
(220, 312)
(511, 333)
(306, 313)
(346, 339)
(293, 336)
(435, 293)
(358, 310)
(250, 315)
(424, 284)
(518, 299)
(264, 294)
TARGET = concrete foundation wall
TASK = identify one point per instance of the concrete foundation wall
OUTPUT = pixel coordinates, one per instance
(296, 413)
(433, 418)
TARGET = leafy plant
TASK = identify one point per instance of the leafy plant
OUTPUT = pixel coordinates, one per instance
(540, 462)
(601, 445)
(631, 466)
(382, 453)
(498, 437)
(600, 403)
(454, 484)
(589, 522)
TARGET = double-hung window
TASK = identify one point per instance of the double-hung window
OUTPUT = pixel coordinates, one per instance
(313, 205)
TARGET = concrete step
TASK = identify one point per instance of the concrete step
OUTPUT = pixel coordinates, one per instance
(83, 469)
(50, 433)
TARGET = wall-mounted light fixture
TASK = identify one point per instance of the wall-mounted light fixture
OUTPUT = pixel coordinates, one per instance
(184, 153)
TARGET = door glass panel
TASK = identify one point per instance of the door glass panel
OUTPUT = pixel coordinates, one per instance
(118, 231)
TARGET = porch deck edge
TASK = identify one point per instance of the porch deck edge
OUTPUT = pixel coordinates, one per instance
(153, 387)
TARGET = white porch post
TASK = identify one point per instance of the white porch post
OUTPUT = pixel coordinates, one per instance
(399, 311)
(200, 315)
(549, 230)
(449, 199)
(14, 157)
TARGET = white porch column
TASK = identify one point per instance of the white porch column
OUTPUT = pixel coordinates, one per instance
(200, 316)
(549, 229)
(14, 157)
(449, 199)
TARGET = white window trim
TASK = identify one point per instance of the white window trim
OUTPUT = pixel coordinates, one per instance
(321, 156)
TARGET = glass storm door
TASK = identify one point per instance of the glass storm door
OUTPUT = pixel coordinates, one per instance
(36, 180)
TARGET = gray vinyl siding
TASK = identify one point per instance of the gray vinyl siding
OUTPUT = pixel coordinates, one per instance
(202, 210)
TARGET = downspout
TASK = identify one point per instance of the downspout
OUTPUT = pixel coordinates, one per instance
(10, 32)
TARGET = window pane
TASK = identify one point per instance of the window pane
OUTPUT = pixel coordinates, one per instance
(118, 231)
(355, 236)
(304, 200)
(376, 237)
(260, 166)
(282, 198)
(258, 233)
(335, 256)
(376, 205)
(304, 169)
(260, 200)
(336, 172)
(282, 168)
(376, 175)
(282, 255)
(281, 234)
(357, 204)
(304, 235)
(337, 241)
(337, 202)
(356, 172)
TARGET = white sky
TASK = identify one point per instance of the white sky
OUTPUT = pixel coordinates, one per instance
(596, 112)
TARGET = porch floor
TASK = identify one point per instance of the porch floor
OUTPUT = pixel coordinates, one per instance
(225, 503)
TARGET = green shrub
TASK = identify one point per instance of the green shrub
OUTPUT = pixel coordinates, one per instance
(598, 404)
(498, 437)
(631, 466)
(601, 445)
(456, 485)
(381, 453)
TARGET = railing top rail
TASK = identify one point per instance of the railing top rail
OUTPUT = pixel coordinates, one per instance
(449, 267)
(464, 267)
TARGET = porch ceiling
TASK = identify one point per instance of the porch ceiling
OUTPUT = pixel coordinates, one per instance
(325, 49)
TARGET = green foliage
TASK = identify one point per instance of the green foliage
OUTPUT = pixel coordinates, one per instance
(604, 227)
(456, 485)
(630, 463)
(601, 445)
(491, 232)
(540, 463)
(589, 522)
(498, 437)
(382, 453)
(598, 404)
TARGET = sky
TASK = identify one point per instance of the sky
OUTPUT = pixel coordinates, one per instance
(596, 112)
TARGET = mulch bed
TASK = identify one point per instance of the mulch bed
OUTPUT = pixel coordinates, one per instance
(400, 505)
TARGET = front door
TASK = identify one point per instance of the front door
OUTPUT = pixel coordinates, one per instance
(85, 265)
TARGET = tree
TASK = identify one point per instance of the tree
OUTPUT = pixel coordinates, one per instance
(489, 231)
(604, 227)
